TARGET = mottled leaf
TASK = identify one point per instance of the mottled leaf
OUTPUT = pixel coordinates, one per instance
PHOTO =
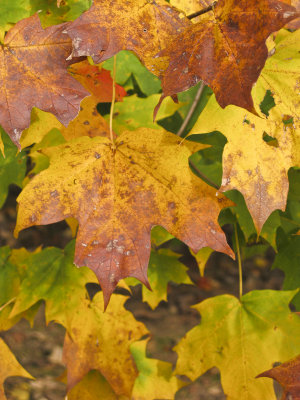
(118, 193)
(101, 341)
(138, 25)
(35, 58)
(227, 52)
(248, 161)
(288, 375)
(156, 379)
(241, 338)
(88, 122)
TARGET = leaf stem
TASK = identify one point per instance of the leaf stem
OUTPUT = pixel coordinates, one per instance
(203, 11)
(113, 101)
(8, 303)
(239, 260)
(204, 177)
(192, 109)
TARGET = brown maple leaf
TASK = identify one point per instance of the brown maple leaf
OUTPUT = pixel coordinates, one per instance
(118, 194)
(288, 375)
(227, 52)
(33, 72)
(142, 26)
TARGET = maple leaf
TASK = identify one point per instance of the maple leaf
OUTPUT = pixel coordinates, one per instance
(228, 52)
(41, 124)
(241, 338)
(12, 12)
(163, 268)
(128, 66)
(36, 59)
(118, 194)
(249, 164)
(97, 81)
(156, 378)
(94, 338)
(281, 76)
(88, 122)
(138, 25)
(288, 375)
(12, 167)
(93, 386)
(286, 259)
(9, 367)
(51, 276)
(136, 112)
(9, 286)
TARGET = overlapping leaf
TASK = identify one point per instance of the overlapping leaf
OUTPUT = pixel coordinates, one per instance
(128, 66)
(156, 379)
(9, 367)
(241, 338)
(88, 122)
(139, 25)
(228, 52)
(52, 276)
(118, 193)
(36, 60)
(136, 112)
(163, 268)
(12, 12)
(101, 341)
(92, 387)
(288, 375)
(281, 76)
(97, 81)
(248, 161)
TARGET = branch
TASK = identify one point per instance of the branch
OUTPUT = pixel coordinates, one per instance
(204, 177)
(192, 109)
(203, 11)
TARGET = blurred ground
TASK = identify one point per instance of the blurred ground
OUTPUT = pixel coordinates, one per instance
(39, 349)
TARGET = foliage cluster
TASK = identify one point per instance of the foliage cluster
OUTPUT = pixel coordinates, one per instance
(80, 85)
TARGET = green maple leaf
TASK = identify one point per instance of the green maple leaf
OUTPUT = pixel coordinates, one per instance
(163, 268)
(136, 112)
(241, 338)
(11, 12)
(288, 260)
(12, 167)
(52, 276)
(128, 66)
(156, 378)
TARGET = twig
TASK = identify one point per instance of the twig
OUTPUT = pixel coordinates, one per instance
(7, 304)
(239, 260)
(113, 101)
(192, 109)
(204, 177)
(203, 11)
